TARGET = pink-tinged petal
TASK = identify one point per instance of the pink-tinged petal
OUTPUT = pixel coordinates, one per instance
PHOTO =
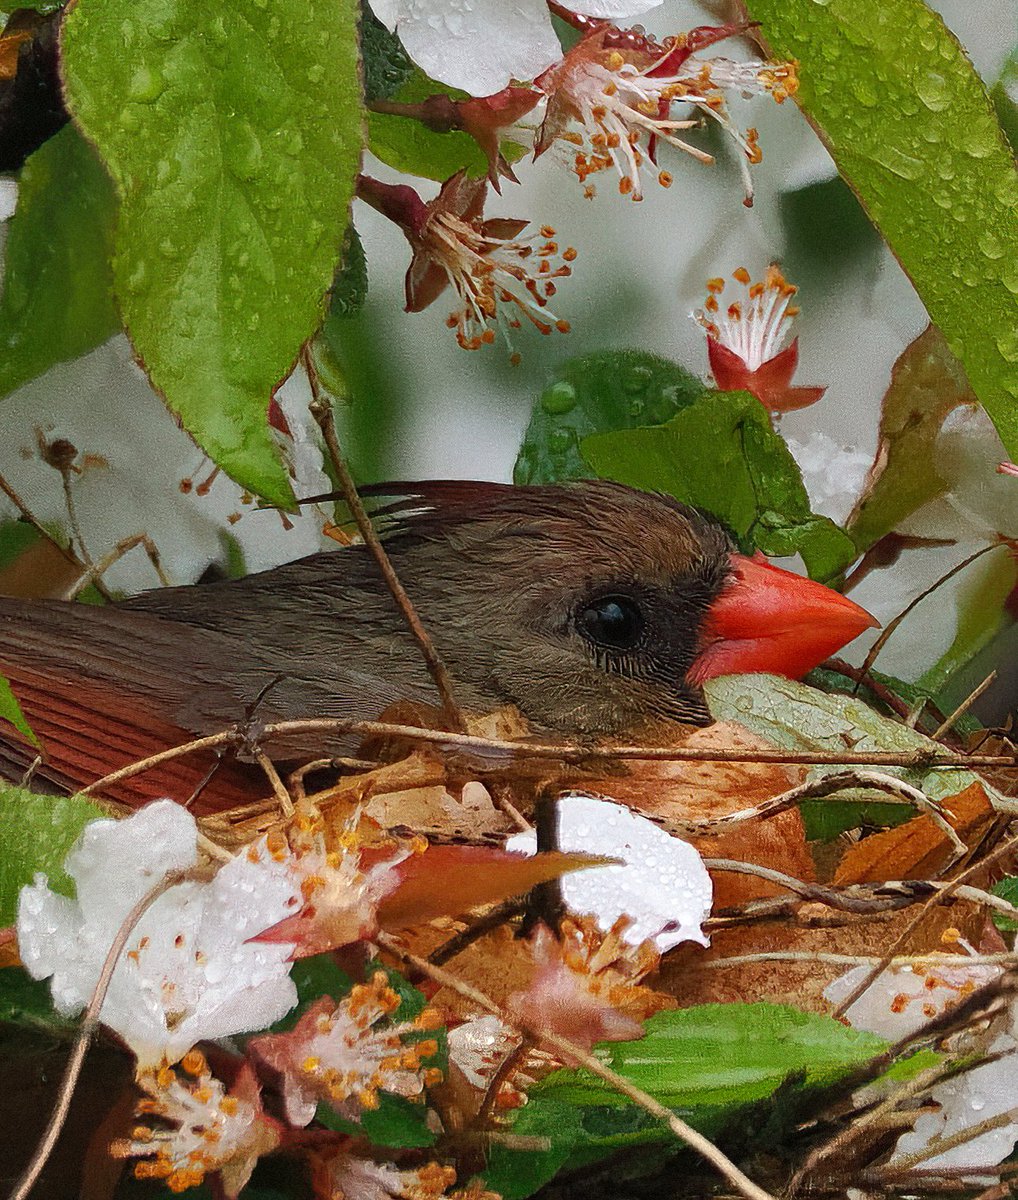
(611, 10)
(480, 49)
(447, 880)
(425, 282)
(387, 11)
(1007, 468)
(730, 373)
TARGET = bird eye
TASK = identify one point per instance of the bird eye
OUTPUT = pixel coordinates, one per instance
(612, 621)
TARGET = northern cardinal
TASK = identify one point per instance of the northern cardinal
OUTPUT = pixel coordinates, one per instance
(593, 608)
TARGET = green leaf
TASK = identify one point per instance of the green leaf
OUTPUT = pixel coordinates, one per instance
(1007, 889)
(398, 1122)
(15, 538)
(233, 134)
(516, 1174)
(27, 1001)
(980, 606)
(722, 455)
(721, 1054)
(10, 710)
(350, 286)
(58, 284)
(36, 833)
(386, 65)
(913, 131)
(313, 977)
(596, 393)
(793, 716)
(927, 383)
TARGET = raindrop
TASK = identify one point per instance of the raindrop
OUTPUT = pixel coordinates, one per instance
(901, 164)
(316, 73)
(991, 245)
(1007, 344)
(146, 85)
(558, 399)
(933, 90)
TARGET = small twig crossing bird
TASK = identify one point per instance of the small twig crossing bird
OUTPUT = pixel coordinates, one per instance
(593, 608)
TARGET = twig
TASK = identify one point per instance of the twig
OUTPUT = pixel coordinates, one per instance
(828, 785)
(937, 1145)
(866, 897)
(864, 985)
(97, 569)
(486, 748)
(459, 942)
(283, 797)
(565, 752)
(937, 958)
(321, 410)
(507, 1068)
(963, 708)
(893, 624)
(90, 1021)
(720, 1161)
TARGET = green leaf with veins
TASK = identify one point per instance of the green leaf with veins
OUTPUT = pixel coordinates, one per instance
(597, 393)
(913, 131)
(793, 716)
(721, 454)
(927, 383)
(58, 284)
(720, 1054)
(36, 833)
(233, 134)
(10, 710)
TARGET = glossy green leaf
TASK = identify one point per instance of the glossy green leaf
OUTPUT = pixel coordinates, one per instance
(15, 538)
(794, 716)
(927, 383)
(1007, 889)
(233, 134)
(350, 286)
(516, 1174)
(58, 282)
(314, 977)
(596, 393)
(913, 132)
(10, 710)
(722, 455)
(722, 1054)
(386, 65)
(36, 833)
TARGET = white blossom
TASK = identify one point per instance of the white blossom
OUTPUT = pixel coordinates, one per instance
(480, 45)
(898, 1003)
(662, 884)
(189, 970)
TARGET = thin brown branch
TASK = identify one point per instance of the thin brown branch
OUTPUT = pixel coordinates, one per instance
(893, 624)
(96, 570)
(488, 748)
(459, 942)
(86, 1030)
(570, 1050)
(963, 708)
(1001, 851)
(321, 410)
(283, 797)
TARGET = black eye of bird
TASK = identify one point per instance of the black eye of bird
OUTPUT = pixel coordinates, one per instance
(614, 622)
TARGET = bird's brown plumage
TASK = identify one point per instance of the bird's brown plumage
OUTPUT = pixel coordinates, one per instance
(501, 576)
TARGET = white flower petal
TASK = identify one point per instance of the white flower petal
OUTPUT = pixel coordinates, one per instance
(478, 45)
(612, 9)
(663, 884)
(387, 11)
(189, 971)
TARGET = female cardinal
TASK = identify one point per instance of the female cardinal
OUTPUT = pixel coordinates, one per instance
(593, 608)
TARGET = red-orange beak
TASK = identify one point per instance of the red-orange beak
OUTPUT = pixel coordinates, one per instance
(767, 619)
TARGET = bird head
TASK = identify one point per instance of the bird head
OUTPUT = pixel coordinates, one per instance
(596, 608)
